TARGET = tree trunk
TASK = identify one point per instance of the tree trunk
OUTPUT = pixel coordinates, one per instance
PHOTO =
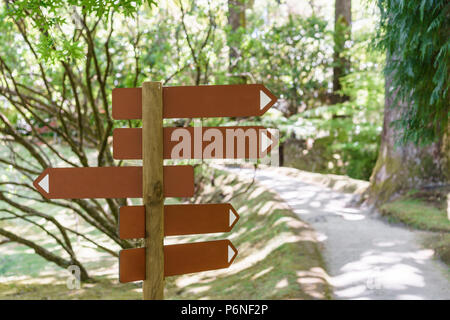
(342, 33)
(236, 20)
(405, 167)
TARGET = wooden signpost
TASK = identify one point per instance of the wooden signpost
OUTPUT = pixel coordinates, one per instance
(153, 181)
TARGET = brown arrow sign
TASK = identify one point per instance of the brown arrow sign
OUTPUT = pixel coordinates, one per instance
(179, 259)
(180, 219)
(110, 182)
(213, 143)
(197, 101)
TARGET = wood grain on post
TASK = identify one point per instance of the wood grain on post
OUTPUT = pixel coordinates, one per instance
(153, 197)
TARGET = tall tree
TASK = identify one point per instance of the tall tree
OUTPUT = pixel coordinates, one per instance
(342, 33)
(401, 167)
(236, 23)
(415, 144)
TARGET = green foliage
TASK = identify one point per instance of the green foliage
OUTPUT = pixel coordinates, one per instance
(357, 123)
(50, 17)
(349, 132)
(416, 35)
(294, 53)
(290, 58)
(294, 59)
(291, 55)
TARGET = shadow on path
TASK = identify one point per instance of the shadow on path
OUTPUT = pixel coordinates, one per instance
(366, 257)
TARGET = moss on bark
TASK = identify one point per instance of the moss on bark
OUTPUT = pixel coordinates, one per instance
(404, 167)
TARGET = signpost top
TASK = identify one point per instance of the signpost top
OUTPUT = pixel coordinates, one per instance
(240, 100)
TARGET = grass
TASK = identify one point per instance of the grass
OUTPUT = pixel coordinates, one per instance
(418, 214)
(279, 258)
(440, 243)
(424, 210)
(103, 288)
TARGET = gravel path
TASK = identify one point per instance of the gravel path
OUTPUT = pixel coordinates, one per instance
(366, 257)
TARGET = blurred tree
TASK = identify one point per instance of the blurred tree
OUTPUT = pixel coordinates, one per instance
(292, 62)
(199, 43)
(415, 144)
(342, 36)
(342, 138)
(236, 30)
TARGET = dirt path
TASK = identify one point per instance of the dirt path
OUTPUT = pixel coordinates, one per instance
(367, 258)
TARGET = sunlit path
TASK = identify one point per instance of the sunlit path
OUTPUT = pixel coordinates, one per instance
(366, 257)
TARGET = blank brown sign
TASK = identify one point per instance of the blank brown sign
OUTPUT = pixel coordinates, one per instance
(127, 142)
(110, 182)
(132, 265)
(132, 222)
(240, 100)
(179, 259)
(180, 219)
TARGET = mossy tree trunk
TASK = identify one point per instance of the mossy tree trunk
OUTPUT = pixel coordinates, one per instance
(400, 168)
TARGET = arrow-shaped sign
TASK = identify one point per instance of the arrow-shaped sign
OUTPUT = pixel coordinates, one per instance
(179, 259)
(198, 143)
(110, 182)
(180, 219)
(197, 101)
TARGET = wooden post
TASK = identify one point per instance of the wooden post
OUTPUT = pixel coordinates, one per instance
(153, 196)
